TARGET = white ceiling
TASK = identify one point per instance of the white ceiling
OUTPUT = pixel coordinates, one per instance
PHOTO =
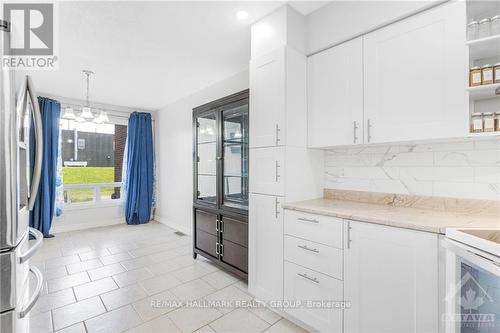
(149, 54)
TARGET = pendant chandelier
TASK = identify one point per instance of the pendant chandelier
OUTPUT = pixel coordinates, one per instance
(86, 114)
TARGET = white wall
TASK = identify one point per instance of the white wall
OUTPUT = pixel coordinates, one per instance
(174, 144)
(343, 20)
(465, 169)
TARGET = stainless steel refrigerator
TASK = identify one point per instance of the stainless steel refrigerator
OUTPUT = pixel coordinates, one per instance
(19, 182)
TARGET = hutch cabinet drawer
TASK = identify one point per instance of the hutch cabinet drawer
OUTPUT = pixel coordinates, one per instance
(317, 228)
(235, 255)
(206, 242)
(321, 258)
(235, 231)
(302, 284)
(206, 221)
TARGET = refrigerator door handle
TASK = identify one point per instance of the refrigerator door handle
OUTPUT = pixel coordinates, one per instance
(37, 171)
(36, 294)
(32, 250)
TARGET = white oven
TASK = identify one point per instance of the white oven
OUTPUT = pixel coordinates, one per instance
(472, 300)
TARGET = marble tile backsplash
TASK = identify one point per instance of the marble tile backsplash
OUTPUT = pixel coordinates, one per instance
(463, 169)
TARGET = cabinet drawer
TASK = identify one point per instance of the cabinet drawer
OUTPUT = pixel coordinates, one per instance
(317, 228)
(318, 257)
(302, 284)
(206, 221)
(236, 255)
(235, 231)
(206, 242)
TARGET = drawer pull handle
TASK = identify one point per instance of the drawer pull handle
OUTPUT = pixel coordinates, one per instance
(308, 248)
(308, 220)
(305, 276)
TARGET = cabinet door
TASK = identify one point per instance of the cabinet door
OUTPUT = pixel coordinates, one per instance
(206, 232)
(206, 159)
(234, 234)
(267, 100)
(267, 170)
(335, 95)
(415, 77)
(265, 271)
(391, 279)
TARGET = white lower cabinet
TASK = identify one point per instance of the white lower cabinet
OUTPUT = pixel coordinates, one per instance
(318, 294)
(265, 270)
(390, 279)
(387, 276)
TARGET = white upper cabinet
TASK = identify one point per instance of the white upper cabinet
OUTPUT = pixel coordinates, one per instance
(335, 95)
(415, 77)
(267, 100)
(391, 279)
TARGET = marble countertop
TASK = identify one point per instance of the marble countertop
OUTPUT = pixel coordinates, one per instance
(403, 217)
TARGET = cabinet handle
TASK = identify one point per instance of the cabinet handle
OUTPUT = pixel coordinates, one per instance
(221, 225)
(276, 211)
(348, 236)
(221, 250)
(217, 225)
(308, 220)
(355, 131)
(217, 248)
(369, 130)
(305, 276)
(276, 169)
(305, 247)
(277, 134)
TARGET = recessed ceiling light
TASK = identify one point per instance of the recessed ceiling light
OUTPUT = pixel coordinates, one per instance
(242, 15)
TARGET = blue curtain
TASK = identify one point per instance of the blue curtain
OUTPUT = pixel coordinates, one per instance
(43, 211)
(140, 169)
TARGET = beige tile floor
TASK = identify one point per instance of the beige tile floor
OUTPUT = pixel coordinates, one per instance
(108, 280)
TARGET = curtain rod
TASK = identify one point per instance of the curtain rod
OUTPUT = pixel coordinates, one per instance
(114, 113)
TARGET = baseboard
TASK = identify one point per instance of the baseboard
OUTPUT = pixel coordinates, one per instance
(173, 225)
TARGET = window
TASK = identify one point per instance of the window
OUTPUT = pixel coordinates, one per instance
(92, 157)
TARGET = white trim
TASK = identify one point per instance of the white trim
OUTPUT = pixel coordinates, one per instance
(173, 225)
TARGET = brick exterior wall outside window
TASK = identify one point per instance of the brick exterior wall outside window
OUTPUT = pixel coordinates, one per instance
(120, 140)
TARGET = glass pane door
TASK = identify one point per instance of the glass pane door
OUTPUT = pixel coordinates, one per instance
(207, 158)
(235, 150)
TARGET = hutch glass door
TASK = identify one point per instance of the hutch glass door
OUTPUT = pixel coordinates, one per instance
(206, 141)
(235, 152)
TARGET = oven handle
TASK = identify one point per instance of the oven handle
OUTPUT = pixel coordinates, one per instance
(32, 250)
(473, 256)
(36, 294)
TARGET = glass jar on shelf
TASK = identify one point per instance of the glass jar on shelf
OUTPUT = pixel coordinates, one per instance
(495, 25)
(484, 29)
(472, 30)
(488, 122)
(497, 121)
(496, 72)
(475, 76)
(487, 74)
(476, 122)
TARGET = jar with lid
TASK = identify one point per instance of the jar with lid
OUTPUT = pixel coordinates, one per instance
(484, 29)
(495, 25)
(488, 122)
(496, 72)
(497, 121)
(476, 122)
(475, 76)
(487, 74)
(472, 30)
